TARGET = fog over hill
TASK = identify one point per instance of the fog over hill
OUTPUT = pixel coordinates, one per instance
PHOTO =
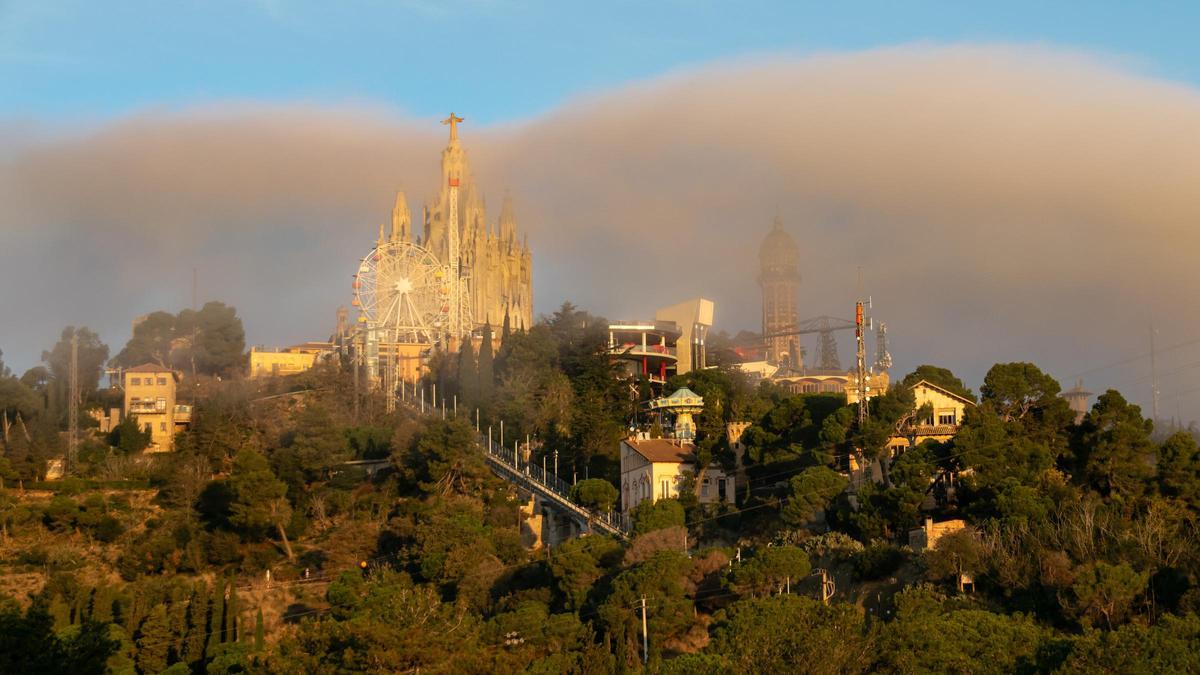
(1004, 203)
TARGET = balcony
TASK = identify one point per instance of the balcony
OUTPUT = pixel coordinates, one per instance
(929, 430)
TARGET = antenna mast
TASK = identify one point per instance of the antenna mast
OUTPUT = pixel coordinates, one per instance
(861, 361)
(73, 404)
(1153, 374)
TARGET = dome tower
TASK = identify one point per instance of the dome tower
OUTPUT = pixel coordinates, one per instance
(779, 278)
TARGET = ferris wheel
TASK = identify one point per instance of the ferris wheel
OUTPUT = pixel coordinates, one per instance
(402, 293)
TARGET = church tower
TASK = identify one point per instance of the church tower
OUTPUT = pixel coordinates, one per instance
(779, 279)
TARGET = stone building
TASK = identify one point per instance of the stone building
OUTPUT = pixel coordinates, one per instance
(496, 257)
(779, 278)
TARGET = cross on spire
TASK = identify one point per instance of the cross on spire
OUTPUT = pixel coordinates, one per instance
(453, 122)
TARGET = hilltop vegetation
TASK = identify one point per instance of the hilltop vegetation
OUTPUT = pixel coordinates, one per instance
(1082, 539)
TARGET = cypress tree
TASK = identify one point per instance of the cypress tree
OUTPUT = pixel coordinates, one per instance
(196, 625)
(232, 613)
(501, 366)
(260, 636)
(218, 612)
(487, 373)
(154, 641)
(468, 376)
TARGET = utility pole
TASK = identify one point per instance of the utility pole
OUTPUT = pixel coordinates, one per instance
(354, 361)
(827, 585)
(1153, 375)
(861, 359)
(645, 634)
(73, 405)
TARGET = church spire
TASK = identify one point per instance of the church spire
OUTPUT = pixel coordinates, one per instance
(401, 219)
(508, 220)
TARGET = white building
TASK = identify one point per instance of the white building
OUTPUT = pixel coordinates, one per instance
(653, 469)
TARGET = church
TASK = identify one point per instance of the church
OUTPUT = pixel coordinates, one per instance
(496, 260)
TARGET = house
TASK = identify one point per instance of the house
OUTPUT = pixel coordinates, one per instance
(941, 424)
(287, 360)
(150, 396)
(654, 469)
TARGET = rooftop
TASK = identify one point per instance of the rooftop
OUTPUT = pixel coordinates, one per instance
(662, 449)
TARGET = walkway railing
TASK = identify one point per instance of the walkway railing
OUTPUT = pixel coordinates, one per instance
(508, 464)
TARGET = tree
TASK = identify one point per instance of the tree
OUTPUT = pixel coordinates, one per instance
(956, 554)
(782, 633)
(129, 437)
(1169, 646)
(595, 493)
(811, 490)
(92, 355)
(772, 569)
(649, 516)
(259, 501)
(214, 339)
(1113, 446)
(468, 377)
(151, 342)
(1179, 468)
(942, 377)
(1104, 591)
(154, 641)
(487, 372)
(926, 636)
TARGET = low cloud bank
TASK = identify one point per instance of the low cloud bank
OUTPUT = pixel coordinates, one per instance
(1003, 203)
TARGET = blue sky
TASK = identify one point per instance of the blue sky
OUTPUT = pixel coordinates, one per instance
(63, 62)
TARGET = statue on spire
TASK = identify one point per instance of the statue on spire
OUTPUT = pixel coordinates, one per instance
(453, 122)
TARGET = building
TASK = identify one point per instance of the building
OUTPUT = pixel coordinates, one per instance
(655, 468)
(1078, 399)
(287, 360)
(150, 397)
(946, 417)
(928, 535)
(779, 279)
(646, 349)
(693, 318)
(672, 344)
(497, 260)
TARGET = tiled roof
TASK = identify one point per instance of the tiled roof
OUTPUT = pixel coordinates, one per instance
(148, 368)
(662, 450)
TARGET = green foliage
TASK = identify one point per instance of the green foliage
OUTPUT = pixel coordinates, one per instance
(595, 493)
(129, 437)
(578, 564)
(92, 353)
(258, 502)
(877, 561)
(1104, 593)
(29, 643)
(925, 636)
(663, 513)
(1168, 646)
(771, 569)
(811, 490)
(777, 634)
(1113, 449)
(939, 376)
(1179, 468)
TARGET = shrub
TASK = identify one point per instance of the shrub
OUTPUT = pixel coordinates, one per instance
(877, 561)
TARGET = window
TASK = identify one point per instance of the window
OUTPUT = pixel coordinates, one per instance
(162, 381)
(162, 426)
(149, 428)
(704, 487)
(160, 404)
(946, 419)
(136, 381)
(666, 489)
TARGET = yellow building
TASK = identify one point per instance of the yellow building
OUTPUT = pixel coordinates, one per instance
(150, 396)
(654, 468)
(287, 360)
(944, 420)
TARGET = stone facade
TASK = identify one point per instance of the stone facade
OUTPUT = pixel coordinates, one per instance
(496, 259)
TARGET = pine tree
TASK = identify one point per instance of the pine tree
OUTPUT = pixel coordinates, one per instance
(487, 373)
(502, 354)
(154, 641)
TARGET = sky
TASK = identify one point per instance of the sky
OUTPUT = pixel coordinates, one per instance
(1016, 180)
